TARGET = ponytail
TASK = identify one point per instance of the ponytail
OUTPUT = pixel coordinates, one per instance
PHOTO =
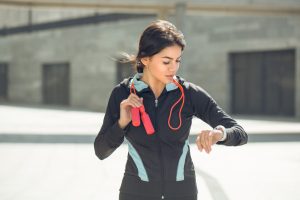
(133, 60)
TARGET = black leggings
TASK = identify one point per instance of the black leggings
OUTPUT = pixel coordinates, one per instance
(124, 196)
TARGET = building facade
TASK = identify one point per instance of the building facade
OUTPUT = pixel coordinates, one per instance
(247, 58)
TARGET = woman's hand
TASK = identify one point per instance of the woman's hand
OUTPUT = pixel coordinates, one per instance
(125, 106)
(207, 138)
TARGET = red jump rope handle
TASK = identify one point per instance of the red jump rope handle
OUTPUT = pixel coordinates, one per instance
(135, 116)
(146, 121)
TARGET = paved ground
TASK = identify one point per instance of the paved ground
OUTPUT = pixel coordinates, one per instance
(33, 125)
(38, 161)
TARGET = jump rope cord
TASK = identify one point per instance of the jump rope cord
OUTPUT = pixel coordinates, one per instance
(132, 90)
(179, 114)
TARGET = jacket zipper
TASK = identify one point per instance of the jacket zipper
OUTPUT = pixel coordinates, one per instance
(162, 172)
(160, 155)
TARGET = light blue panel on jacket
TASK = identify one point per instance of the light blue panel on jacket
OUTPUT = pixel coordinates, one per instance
(138, 162)
(180, 167)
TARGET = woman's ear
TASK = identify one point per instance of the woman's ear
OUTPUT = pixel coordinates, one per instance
(145, 60)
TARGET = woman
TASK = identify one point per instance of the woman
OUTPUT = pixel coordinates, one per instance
(154, 111)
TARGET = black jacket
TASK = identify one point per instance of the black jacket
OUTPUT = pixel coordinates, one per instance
(160, 164)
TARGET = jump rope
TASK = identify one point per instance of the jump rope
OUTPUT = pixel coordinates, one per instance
(138, 113)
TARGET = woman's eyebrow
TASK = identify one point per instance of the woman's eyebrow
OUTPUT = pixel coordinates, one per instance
(170, 57)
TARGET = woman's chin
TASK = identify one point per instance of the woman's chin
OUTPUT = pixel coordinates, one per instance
(169, 79)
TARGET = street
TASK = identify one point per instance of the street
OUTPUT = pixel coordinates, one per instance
(37, 169)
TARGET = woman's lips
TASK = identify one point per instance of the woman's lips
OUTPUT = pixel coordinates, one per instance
(169, 76)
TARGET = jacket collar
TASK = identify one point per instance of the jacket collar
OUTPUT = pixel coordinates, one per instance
(140, 85)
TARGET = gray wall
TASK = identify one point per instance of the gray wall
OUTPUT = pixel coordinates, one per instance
(211, 38)
(90, 49)
(13, 16)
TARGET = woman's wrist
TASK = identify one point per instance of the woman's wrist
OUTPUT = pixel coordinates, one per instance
(122, 124)
(223, 130)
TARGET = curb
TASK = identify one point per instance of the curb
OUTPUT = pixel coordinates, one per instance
(89, 139)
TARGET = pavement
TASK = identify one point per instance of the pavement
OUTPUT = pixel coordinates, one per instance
(48, 154)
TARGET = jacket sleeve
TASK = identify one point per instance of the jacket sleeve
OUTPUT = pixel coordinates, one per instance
(110, 136)
(206, 108)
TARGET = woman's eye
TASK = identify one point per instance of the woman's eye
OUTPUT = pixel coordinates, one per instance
(168, 62)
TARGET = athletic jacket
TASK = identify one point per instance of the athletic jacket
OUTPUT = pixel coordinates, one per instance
(160, 165)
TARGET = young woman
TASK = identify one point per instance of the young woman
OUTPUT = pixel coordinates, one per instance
(154, 111)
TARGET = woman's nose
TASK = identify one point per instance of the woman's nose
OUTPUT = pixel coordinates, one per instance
(173, 66)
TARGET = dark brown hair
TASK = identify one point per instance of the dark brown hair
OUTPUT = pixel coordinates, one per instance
(157, 36)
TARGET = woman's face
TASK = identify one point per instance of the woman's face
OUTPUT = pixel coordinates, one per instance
(164, 65)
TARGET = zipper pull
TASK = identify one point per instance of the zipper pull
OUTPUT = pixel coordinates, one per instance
(156, 102)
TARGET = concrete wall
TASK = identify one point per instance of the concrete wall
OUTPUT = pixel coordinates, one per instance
(297, 92)
(89, 49)
(18, 16)
(211, 38)
(22, 15)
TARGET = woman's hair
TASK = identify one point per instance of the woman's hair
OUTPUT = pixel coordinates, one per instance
(157, 36)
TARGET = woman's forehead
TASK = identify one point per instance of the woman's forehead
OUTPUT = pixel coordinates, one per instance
(172, 52)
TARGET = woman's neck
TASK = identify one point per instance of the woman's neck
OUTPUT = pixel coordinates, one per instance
(156, 86)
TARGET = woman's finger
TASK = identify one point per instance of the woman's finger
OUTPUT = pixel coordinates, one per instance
(127, 103)
(135, 103)
(132, 102)
(210, 139)
(207, 140)
(136, 100)
(135, 97)
(199, 143)
(202, 140)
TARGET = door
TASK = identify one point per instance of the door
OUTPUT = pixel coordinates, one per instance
(3, 81)
(56, 83)
(263, 83)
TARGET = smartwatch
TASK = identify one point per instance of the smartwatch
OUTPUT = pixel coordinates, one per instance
(222, 128)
